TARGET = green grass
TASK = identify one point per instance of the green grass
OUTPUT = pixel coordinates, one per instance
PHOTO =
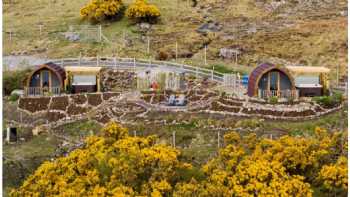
(78, 130)
(39, 146)
(333, 122)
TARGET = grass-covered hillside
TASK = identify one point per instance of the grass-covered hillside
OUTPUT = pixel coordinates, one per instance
(307, 32)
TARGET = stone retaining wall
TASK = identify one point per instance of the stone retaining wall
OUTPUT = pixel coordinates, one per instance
(64, 107)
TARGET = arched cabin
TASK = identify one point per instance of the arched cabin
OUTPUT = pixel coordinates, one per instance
(48, 78)
(269, 80)
(52, 79)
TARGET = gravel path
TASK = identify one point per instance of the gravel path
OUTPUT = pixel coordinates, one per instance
(21, 62)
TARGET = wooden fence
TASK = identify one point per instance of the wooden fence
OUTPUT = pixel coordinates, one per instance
(133, 63)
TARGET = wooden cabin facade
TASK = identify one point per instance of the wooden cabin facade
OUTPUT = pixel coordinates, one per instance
(269, 80)
(52, 79)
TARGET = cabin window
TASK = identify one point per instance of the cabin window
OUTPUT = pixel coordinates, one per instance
(274, 80)
(35, 81)
(45, 78)
(84, 80)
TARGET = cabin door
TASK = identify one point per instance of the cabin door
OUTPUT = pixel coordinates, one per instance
(274, 80)
(45, 81)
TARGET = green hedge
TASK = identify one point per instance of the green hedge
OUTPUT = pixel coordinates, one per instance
(14, 80)
(329, 101)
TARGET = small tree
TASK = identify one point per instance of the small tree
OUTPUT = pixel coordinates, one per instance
(141, 11)
(99, 10)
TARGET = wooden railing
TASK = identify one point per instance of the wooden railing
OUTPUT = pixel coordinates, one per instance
(280, 94)
(133, 63)
(41, 91)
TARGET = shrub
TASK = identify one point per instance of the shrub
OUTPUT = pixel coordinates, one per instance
(329, 101)
(14, 80)
(162, 55)
(99, 10)
(14, 97)
(141, 11)
(273, 100)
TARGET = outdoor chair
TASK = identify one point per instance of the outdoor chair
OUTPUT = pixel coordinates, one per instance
(181, 101)
(172, 100)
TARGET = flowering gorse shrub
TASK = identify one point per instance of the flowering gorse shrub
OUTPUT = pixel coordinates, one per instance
(99, 10)
(116, 164)
(142, 11)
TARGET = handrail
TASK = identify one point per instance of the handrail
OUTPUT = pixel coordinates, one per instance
(129, 62)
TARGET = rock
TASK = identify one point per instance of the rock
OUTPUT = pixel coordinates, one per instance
(209, 27)
(72, 36)
(39, 129)
(17, 92)
(344, 13)
(229, 53)
(144, 27)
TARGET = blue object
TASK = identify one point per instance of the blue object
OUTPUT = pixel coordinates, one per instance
(245, 80)
(172, 100)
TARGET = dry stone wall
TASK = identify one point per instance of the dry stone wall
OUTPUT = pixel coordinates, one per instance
(297, 111)
(116, 80)
(64, 107)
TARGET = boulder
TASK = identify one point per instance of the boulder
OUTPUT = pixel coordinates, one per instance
(72, 36)
(227, 53)
(39, 129)
(17, 92)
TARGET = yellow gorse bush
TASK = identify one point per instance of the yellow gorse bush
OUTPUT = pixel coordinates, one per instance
(98, 10)
(116, 164)
(141, 10)
(335, 176)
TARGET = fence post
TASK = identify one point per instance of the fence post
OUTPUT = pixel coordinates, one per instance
(174, 139)
(98, 60)
(148, 44)
(196, 72)
(212, 74)
(100, 33)
(115, 61)
(176, 48)
(218, 139)
(205, 55)
(134, 64)
(80, 59)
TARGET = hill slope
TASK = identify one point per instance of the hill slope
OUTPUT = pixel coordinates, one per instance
(308, 32)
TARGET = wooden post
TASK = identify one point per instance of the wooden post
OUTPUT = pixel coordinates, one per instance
(176, 48)
(134, 64)
(115, 61)
(148, 45)
(174, 145)
(236, 60)
(100, 33)
(337, 75)
(135, 133)
(98, 60)
(8, 134)
(80, 59)
(10, 35)
(40, 29)
(205, 55)
(124, 38)
(218, 139)
(212, 74)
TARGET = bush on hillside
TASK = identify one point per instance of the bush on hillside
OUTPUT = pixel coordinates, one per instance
(14, 97)
(99, 10)
(116, 164)
(13, 80)
(329, 101)
(142, 11)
